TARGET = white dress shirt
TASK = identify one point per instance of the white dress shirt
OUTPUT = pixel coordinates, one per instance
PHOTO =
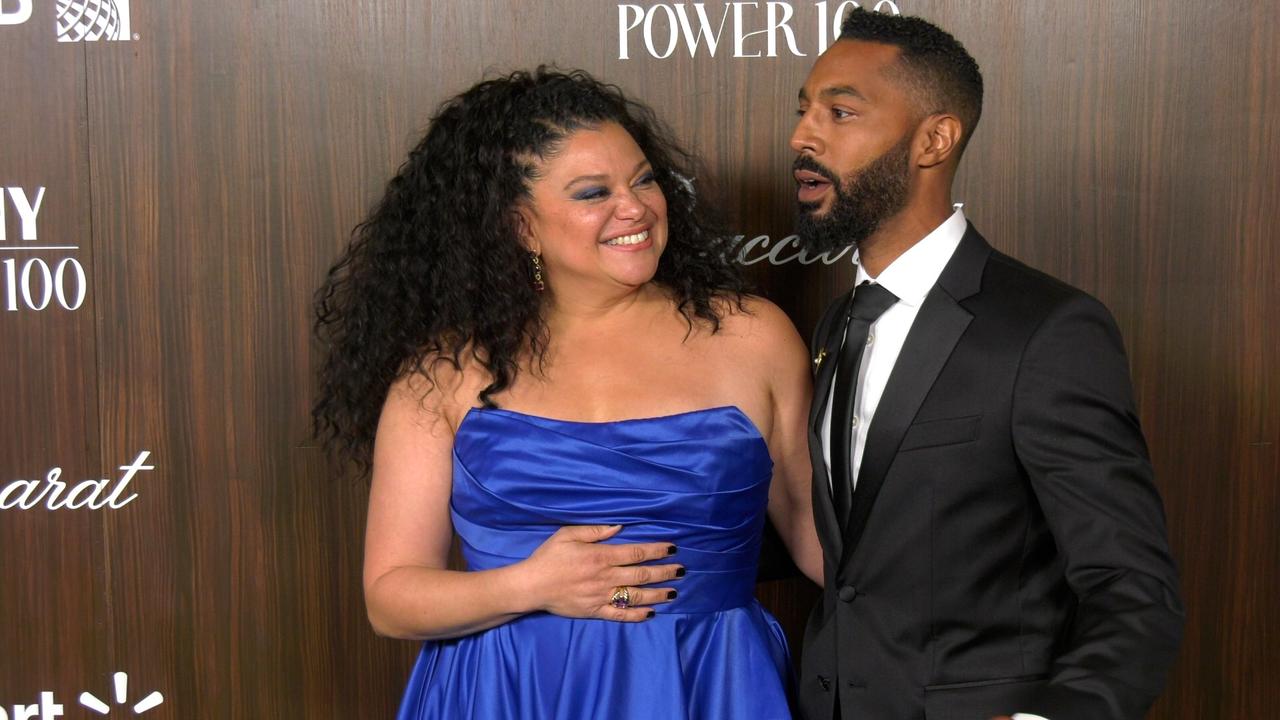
(910, 277)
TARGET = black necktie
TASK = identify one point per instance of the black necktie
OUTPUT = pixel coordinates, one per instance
(869, 303)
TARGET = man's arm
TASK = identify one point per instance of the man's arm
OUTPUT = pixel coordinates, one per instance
(1076, 433)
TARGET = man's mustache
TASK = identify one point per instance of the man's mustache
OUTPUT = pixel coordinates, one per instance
(804, 162)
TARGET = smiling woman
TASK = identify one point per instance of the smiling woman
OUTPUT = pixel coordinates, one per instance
(539, 347)
(597, 214)
(443, 267)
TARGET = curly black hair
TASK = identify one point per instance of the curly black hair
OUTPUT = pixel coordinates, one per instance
(942, 74)
(438, 268)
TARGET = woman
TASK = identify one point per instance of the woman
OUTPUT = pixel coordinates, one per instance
(542, 347)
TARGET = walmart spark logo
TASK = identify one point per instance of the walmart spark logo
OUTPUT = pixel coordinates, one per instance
(92, 702)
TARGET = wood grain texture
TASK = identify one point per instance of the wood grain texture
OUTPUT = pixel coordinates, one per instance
(53, 598)
(213, 169)
(223, 210)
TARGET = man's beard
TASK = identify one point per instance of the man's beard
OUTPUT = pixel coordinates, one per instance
(863, 200)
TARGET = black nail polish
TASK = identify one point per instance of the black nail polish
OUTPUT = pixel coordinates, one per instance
(679, 572)
(671, 549)
(671, 594)
(649, 614)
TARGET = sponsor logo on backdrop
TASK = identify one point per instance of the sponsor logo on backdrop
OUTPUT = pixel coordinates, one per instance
(735, 29)
(120, 683)
(33, 284)
(46, 709)
(81, 20)
(77, 20)
(48, 706)
(762, 248)
(53, 493)
(10, 15)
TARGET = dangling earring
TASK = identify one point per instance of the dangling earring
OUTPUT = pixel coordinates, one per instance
(538, 285)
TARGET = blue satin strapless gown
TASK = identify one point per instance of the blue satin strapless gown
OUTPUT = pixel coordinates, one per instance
(699, 480)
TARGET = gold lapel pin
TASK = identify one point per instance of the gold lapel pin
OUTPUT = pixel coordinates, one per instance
(817, 361)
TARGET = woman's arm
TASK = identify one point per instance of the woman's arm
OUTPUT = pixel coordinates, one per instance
(786, 368)
(409, 591)
(791, 495)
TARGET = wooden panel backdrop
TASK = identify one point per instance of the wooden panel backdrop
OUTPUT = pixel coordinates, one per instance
(209, 170)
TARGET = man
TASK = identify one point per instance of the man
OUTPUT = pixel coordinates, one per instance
(993, 542)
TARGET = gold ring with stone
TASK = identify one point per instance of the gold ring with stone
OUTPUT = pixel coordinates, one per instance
(621, 597)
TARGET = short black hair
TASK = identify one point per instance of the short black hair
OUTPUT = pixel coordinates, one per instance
(942, 75)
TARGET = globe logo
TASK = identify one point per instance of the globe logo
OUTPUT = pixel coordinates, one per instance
(81, 20)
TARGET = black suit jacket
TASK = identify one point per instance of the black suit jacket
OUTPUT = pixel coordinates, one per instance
(1007, 550)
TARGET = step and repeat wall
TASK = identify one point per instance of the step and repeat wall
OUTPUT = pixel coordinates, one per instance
(176, 176)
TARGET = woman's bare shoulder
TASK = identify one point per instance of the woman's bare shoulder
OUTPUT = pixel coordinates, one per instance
(440, 387)
(759, 333)
(756, 320)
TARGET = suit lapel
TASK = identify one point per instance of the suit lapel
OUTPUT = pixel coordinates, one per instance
(933, 336)
(827, 346)
(824, 358)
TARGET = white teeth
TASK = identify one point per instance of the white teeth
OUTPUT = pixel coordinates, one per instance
(635, 239)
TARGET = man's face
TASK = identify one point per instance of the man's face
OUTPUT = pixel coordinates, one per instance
(853, 139)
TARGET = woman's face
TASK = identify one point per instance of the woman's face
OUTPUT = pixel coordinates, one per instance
(597, 215)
